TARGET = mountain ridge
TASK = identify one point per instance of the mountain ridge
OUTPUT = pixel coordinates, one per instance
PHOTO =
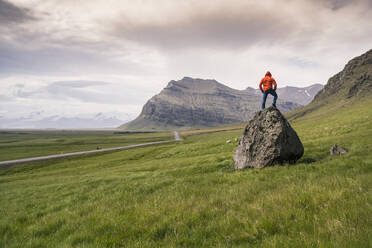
(195, 103)
(39, 119)
(355, 77)
(352, 84)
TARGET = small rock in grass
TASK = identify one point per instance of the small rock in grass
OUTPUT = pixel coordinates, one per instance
(337, 150)
(228, 141)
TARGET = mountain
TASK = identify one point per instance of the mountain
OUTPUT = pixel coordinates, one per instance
(40, 120)
(352, 84)
(298, 95)
(355, 80)
(194, 102)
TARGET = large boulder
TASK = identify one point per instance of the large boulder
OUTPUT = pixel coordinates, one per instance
(268, 139)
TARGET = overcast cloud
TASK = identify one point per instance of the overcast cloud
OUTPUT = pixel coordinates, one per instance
(71, 57)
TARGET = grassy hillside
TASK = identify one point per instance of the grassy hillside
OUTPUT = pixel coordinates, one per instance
(187, 194)
(26, 144)
(352, 84)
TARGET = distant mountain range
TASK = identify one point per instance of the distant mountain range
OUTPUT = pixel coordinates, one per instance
(298, 95)
(193, 103)
(39, 120)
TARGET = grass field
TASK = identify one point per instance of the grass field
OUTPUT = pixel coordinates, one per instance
(187, 194)
(26, 144)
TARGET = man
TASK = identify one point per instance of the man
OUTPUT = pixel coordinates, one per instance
(267, 82)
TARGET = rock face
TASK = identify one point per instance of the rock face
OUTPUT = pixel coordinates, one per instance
(194, 103)
(268, 139)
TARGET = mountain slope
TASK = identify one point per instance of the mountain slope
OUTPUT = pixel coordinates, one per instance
(352, 84)
(199, 103)
(355, 80)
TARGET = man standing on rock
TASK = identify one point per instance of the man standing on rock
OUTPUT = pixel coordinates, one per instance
(268, 83)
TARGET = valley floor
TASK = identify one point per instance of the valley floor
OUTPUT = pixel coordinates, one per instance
(187, 194)
(20, 144)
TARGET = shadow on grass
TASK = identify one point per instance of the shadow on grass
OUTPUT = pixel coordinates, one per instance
(306, 160)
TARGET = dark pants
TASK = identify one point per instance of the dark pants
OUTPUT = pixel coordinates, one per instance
(265, 93)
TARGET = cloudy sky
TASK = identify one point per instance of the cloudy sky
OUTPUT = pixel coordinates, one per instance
(71, 57)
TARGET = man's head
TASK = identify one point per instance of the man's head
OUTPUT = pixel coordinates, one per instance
(268, 74)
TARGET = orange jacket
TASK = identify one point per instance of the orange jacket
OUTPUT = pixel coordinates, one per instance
(267, 82)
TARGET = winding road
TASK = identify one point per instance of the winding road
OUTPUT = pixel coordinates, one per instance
(9, 163)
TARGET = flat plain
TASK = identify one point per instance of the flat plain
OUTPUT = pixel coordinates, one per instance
(17, 144)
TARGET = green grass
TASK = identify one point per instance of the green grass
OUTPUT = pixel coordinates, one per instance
(187, 194)
(26, 144)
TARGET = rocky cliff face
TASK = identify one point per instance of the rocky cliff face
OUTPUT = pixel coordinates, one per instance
(354, 80)
(195, 103)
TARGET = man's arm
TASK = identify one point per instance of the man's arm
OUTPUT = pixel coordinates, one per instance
(261, 85)
(274, 83)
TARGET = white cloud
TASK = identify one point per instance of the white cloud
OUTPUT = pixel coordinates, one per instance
(138, 46)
